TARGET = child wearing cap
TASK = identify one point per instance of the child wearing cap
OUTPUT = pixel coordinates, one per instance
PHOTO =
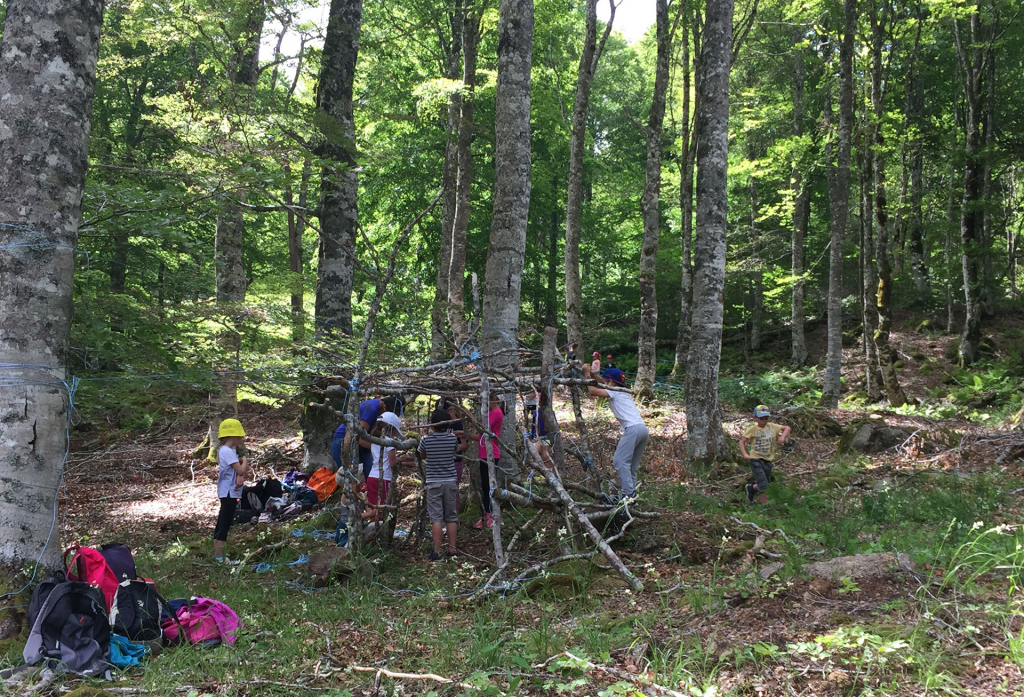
(385, 459)
(764, 439)
(231, 474)
(634, 433)
(595, 365)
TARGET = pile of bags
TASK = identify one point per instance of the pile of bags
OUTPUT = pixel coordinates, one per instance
(100, 614)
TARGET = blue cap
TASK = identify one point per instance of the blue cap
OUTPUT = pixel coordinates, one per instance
(615, 375)
(761, 411)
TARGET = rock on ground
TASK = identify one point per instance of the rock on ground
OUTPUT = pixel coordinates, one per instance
(861, 566)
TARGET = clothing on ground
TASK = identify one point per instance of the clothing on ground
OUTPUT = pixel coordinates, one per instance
(494, 420)
(125, 653)
(441, 502)
(228, 504)
(439, 449)
(624, 408)
(763, 443)
(627, 456)
(226, 486)
(762, 470)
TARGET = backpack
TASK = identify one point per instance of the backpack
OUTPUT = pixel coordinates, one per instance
(137, 611)
(88, 566)
(323, 483)
(202, 621)
(120, 560)
(69, 629)
(255, 497)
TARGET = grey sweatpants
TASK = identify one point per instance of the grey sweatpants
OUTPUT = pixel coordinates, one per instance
(627, 457)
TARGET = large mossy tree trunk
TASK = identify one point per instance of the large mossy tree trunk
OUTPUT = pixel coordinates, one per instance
(48, 56)
(339, 186)
(507, 249)
(705, 439)
(647, 360)
(838, 172)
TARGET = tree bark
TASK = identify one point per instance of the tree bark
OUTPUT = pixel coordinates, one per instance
(686, 156)
(339, 186)
(439, 312)
(915, 122)
(48, 57)
(988, 282)
(507, 249)
(464, 178)
(948, 250)
(883, 299)
(801, 214)
(296, 229)
(839, 195)
(574, 194)
(869, 276)
(971, 59)
(647, 362)
(705, 439)
(756, 271)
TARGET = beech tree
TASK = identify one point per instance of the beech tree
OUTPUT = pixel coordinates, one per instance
(705, 440)
(574, 193)
(48, 56)
(339, 186)
(838, 171)
(801, 213)
(647, 359)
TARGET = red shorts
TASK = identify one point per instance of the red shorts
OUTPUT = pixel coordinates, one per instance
(377, 490)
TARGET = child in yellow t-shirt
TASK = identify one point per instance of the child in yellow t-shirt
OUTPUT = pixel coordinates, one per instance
(764, 440)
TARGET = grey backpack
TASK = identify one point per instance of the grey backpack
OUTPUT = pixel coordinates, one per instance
(69, 631)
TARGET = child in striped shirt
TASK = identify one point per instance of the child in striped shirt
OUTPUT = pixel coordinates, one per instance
(440, 448)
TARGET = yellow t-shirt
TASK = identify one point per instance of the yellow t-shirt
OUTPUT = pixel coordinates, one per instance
(763, 443)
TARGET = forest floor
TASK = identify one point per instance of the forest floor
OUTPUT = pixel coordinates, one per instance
(722, 613)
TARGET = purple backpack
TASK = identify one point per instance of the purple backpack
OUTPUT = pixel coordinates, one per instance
(203, 621)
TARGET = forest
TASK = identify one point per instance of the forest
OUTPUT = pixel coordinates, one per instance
(598, 242)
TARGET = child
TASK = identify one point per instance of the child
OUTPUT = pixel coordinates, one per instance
(231, 474)
(634, 433)
(455, 427)
(494, 420)
(538, 432)
(385, 459)
(765, 438)
(440, 448)
(595, 365)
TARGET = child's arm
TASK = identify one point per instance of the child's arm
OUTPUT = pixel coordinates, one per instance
(594, 391)
(743, 447)
(365, 443)
(784, 434)
(241, 466)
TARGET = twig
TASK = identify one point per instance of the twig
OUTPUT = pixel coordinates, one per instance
(410, 676)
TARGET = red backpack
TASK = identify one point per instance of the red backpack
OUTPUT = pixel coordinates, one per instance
(89, 566)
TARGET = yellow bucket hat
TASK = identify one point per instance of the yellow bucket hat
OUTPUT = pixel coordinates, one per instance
(230, 427)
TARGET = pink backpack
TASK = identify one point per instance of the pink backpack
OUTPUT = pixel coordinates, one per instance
(90, 566)
(203, 621)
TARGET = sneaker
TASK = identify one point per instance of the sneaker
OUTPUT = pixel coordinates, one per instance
(227, 561)
(490, 521)
(479, 525)
(750, 493)
(433, 556)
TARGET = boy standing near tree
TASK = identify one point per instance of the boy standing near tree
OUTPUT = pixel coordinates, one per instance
(440, 448)
(630, 449)
(764, 439)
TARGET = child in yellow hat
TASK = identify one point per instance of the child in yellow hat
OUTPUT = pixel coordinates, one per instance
(231, 474)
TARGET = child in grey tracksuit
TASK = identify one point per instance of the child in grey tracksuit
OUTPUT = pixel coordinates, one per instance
(634, 433)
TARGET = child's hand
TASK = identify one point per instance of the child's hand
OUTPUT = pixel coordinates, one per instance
(782, 439)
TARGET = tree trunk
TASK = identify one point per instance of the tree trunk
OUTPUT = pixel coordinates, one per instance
(296, 229)
(988, 282)
(948, 250)
(915, 121)
(705, 439)
(647, 360)
(970, 58)
(551, 297)
(883, 298)
(756, 271)
(869, 278)
(48, 58)
(464, 178)
(574, 194)
(686, 155)
(439, 312)
(839, 194)
(507, 248)
(801, 214)
(339, 187)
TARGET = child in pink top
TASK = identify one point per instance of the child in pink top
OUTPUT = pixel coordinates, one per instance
(494, 420)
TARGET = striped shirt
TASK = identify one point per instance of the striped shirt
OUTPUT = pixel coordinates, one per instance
(440, 451)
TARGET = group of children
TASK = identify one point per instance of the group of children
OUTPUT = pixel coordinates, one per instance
(445, 441)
